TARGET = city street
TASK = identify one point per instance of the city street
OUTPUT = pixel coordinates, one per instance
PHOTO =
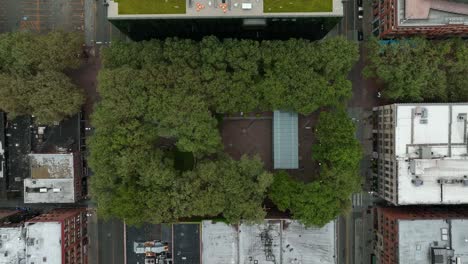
(108, 243)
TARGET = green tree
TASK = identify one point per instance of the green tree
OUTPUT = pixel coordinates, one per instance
(336, 141)
(339, 154)
(50, 96)
(457, 70)
(419, 70)
(31, 75)
(160, 98)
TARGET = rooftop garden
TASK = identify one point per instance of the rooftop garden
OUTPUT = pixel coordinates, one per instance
(133, 7)
(286, 6)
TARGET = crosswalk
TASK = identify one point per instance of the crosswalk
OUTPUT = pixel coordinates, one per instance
(357, 199)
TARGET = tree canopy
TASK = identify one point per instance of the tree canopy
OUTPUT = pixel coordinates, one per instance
(339, 153)
(420, 70)
(31, 75)
(159, 101)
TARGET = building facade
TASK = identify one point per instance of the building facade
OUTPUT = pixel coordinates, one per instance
(431, 18)
(421, 235)
(421, 153)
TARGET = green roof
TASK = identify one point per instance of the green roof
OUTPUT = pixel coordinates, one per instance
(285, 140)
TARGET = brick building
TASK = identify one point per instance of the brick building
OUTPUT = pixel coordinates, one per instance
(431, 18)
(57, 237)
(66, 231)
(421, 153)
(421, 235)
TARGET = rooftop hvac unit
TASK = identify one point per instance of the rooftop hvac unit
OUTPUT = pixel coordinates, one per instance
(43, 190)
(56, 190)
(30, 241)
(417, 181)
(418, 111)
(465, 181)
(461, 117)
(423, 121)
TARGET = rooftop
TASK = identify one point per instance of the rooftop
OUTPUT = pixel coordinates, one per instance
(223, 8)
(438, 241)
(12, 245)
(274, 241)
(432, 167)
(52, 179)
(43, 242)
(431, 13)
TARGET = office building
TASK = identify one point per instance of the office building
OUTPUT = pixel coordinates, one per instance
(421, 153)
(421, 235)
(431, 18)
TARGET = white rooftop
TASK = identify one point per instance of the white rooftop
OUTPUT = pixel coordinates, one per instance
(43, 242)
(52, 179)
(431, 148)
(417, 237)
(12, 245)
(274, 241)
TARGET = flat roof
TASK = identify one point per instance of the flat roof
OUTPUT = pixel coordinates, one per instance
(438, 159)
(285, 140)
(51, 166)
(431, 13)
(235, 9)
(186, 239)
(52, 179)
(43, 242)
(273, 241)
(13, 245)
(18, 136)
(417, 237)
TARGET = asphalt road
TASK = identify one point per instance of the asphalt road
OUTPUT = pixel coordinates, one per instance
(110, 246)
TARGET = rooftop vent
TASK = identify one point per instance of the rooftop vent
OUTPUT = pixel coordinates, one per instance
(417, 181)
(442, 255)
(30, 241)
(461, 117)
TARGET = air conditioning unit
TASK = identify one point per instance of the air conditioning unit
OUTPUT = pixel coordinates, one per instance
(461, 117)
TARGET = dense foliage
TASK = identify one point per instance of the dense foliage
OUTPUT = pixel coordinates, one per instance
(31, 75)
(420, 70)
(339, 154)
(159, 99)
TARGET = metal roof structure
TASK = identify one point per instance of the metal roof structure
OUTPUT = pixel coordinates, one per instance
(285, 140)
